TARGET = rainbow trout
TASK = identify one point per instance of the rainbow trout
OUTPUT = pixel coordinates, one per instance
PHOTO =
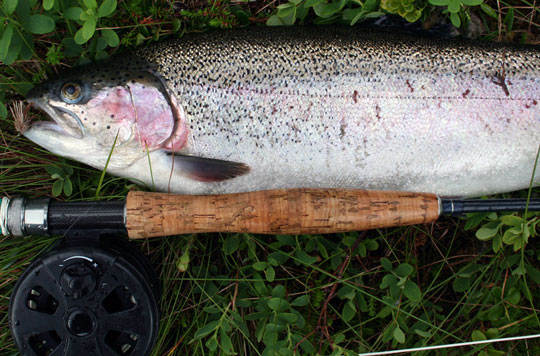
(263, 108)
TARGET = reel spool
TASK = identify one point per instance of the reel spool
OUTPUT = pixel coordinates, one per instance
(95, 296)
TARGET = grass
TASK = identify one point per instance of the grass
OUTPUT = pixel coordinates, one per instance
(259, 295)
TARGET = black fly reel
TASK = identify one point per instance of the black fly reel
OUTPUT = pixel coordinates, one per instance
(86, 297)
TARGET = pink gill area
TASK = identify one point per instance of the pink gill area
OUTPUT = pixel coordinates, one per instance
(149, 109)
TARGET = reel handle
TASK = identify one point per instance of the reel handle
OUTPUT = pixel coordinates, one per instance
(280, 211)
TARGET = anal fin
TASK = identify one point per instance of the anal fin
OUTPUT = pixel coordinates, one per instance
(208, 169)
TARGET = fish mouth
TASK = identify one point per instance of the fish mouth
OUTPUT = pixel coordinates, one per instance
(58, 115)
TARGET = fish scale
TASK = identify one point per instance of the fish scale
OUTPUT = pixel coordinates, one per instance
(349, 108)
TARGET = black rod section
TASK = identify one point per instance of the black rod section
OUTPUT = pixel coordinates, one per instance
(460, 207)
(104, 215)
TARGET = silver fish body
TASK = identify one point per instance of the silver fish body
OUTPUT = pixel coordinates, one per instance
(331, 107)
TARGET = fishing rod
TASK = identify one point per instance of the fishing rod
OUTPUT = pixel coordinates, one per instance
(281, 211)
(94, 292)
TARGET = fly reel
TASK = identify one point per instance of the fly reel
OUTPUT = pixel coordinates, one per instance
(95, 296)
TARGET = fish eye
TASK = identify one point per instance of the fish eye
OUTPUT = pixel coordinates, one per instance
(71, 92)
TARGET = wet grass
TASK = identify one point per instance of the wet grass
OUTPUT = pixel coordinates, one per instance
(333, 294)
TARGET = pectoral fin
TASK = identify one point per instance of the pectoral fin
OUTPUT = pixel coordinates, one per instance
(208, 169)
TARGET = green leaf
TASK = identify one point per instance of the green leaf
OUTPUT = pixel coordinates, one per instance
(388, 281)
(101, 55)
(533, 273)
(399, 335)
(512, 220)
(487, 231)
(328, 10)
(259, 266)
(305, 258)
(14, 49)
(473, 2)
(73, 13)
(310, 3)
(3, 110)
(412, 291)
(52, 170)
(509, 19)
(101, 43)
(270, 273)
(89, 27)
(68, 187)
(5, 41)
(454, 7)
(48, 4)
(107, 8)
(477, 335)
(10, 6)
(90, 4)
(404, 270)
(176, 24)
(349, 311)
(455, 19)
(386, 264)
(39, 24)
(206, 330)
(489, 10)
(439, 2)
(274, 20)
(288, 317)
(422, 333)
(57, 188)
(231, 244)
(462, 284)
(278, 304)
(300, 301)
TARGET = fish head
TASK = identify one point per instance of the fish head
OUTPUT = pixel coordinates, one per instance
(122, 106)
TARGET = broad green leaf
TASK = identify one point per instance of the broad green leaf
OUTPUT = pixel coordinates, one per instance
(279, 291)
(73, 13)
(10, 6)
(388, 280)
(71, 49)
(305, 258)
(3, 110)
(288, 15)
(206, 330)
(477, 335)
(422, 333)
(57, 188)
(399, 335)
(386, 264)
(327, 10)
(454, 6)
(287, 5)
(23, 10)
(288, 317)
(212, 343)
(101, 43)
(270, 274)
(300, 301)
(455, 19)
(310, 3)
(89, 27)
(225, 342)
(259, 266)
(52, 170)
(39, 24)
(274, 20)
(472, 2)
(5, 41)
(68, 187)
(48, 4)
(533, 273)
(231, 242)
(107, 8)
(349, 311)
(439, 2)
(469, 270)
(79, 37)
(487, 231)
(278, 304)
(412, 291)
(14, 49)
(90, 4)
(462, 284)
(404, 270)
(176, 24)
(489, 10)
(512, 220)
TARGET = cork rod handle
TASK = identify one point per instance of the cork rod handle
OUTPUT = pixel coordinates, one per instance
(290, 211)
